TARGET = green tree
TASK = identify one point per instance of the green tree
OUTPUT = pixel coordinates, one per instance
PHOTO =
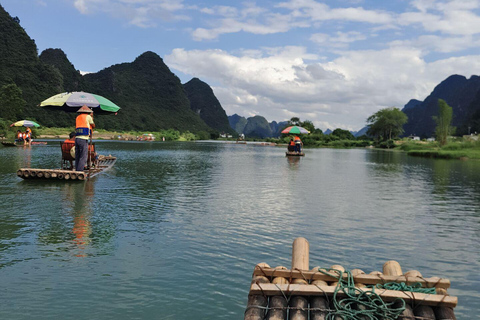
(343, 134)
(386, 123)
(11, 102)
(307, 124)
(443, 121)
(295, 121)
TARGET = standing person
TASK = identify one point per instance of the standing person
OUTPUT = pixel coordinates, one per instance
(83, 130)
(28, 135)
(298, 144)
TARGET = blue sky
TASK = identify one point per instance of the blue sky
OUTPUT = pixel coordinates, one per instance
(332, 62)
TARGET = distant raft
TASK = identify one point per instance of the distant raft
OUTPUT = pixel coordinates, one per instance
(104, 163)
(294, 154)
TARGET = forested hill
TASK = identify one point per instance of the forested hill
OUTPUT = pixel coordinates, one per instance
(204, 103)
(21, 66)
(256, 126)
(462, 94)
(150, 95)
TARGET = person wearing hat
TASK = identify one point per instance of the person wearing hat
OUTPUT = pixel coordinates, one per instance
(83, 131)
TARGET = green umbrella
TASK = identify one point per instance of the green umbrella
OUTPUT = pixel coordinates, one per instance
(25, 123)
(72, 101)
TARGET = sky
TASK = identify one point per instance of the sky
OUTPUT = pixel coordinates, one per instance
(333, 62)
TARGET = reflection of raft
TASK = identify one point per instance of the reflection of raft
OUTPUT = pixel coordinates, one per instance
(104, 163)
(294, 154)
(319, 294)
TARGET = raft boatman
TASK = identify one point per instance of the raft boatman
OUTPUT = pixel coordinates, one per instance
(83, 131)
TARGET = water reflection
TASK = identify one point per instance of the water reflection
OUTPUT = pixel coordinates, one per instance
(82, 213)
(293, 162)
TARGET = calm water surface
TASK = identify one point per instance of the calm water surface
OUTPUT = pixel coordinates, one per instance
(174, 230)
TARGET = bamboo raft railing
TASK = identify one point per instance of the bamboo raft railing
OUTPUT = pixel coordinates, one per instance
(104, 163)
(301, 294)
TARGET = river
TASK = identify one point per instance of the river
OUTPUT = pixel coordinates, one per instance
(174, 230)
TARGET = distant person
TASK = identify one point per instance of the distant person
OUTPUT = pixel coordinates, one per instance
(291, 145)
(298, 144)
(83, 131)
(19, 137)
(28, 136)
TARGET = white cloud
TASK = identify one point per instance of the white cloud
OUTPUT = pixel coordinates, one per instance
(338, 39)
(344, 91)
(141, 13)
(457, 17)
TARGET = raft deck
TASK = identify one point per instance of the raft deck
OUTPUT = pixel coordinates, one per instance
(318, 294)
(104, 163)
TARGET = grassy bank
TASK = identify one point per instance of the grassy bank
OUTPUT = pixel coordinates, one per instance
(169, 135)
(452, 150)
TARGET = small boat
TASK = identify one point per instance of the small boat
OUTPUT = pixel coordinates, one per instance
(104, 163)
(9, 144)
(14, 144)
(294, 154)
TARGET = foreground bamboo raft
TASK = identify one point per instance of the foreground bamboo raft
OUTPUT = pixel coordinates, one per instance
(301, 293)
(104, 163)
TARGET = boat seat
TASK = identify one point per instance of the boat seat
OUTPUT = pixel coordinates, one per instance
(68, 153)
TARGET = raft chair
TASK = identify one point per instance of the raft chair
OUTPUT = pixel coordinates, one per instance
(68, 154)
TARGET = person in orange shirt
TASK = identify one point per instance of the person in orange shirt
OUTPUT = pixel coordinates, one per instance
(291, 145)
(67, 146)
(28, 136)
(298, 144)
(19, 136)
(83, 130)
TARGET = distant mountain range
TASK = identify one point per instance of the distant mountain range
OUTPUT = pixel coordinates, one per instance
(152, 98)
(462, 94)
(256, 126)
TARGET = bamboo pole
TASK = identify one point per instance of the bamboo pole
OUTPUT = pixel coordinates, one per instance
(424, 312)
(277, 309)
(300, 261)
(444, 313)
(256, 304)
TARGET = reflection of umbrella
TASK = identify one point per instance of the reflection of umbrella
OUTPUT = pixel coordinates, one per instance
(295, 129)
(72, 101)
(25, 123)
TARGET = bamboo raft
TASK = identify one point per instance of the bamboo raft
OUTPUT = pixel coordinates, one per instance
(294, 154)
(104, 163)
(300, 294)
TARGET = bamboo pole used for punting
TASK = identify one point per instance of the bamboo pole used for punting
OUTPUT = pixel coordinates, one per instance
(300, 261)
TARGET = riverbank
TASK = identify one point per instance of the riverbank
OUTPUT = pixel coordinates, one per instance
(462, 150)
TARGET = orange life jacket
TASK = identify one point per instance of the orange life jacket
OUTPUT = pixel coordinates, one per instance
(82, 127)
(20, 135)
(292, 143)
